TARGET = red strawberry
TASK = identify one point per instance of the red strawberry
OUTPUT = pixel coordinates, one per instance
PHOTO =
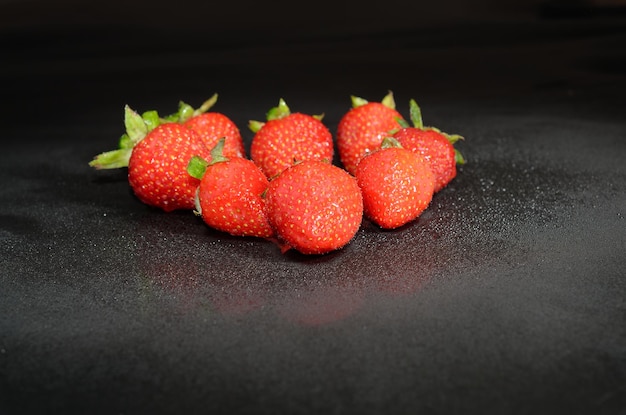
(211, 126)
(362, 129)
(397, 185)
(287, 137)
(314, 207)
(433, 145)
(157, 167)
(156, 156)
(229, 197)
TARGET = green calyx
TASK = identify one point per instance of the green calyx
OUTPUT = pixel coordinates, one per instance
(217, 152)
(137, 127)
(197, 165)
(415, 114)
(387, 101)
(458, 157)
(186, 111)
(255, 126)
(390, 142)
(357, 101)
(276, 113)
(279, 111)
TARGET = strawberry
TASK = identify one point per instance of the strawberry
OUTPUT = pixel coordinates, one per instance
(397, 185)
(157, 167)
(229, 196)
(156, 155)
(434, 146)
(287, 137)
(314, 207)
(211, 126)
(362, 129)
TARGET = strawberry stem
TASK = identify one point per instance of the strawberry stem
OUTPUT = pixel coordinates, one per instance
(206, 105)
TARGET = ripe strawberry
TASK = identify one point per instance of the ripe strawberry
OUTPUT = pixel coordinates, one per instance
(397, 185)
(229, 197)
(362, 129)
(287, 137)
(156, 156)
(433, 145)
(157, 167)
(314, 207)
(211, 126)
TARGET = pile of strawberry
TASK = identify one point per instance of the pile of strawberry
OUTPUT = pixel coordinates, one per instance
(288, 190)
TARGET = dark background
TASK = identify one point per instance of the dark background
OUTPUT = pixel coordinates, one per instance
(74, 54)
(507, 296)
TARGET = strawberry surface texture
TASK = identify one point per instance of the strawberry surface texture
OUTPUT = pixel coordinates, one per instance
(157, 169)
(315, 207)
(397, 185)
(212, 126)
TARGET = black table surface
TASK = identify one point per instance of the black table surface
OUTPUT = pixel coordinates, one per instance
(507, 296)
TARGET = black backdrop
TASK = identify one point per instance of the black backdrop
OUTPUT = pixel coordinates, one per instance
(506, 296)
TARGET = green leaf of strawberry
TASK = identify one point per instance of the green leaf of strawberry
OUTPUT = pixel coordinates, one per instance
(137, 127)
(279, 111)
